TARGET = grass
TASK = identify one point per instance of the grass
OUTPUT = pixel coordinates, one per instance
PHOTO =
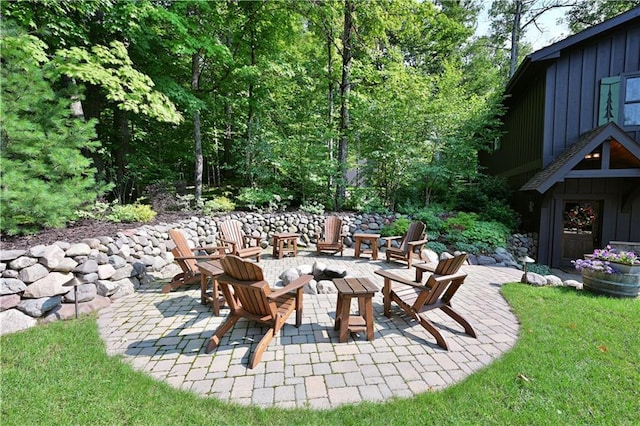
(577, 361)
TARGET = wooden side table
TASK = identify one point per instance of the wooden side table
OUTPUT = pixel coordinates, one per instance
(363, 290)
(373, 241)
(212, 269)
(285, 243)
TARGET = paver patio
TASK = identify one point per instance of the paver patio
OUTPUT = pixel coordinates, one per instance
(165, 336)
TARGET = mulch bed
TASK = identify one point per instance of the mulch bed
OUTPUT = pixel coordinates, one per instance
(83, 229)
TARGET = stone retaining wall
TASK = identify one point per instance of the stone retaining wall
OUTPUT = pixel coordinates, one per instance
(37, 285)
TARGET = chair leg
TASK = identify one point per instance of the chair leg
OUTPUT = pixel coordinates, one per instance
(386, 297)
(178, 281)
(460, 320)
(434, 331)
(215, 339)
(262, 346)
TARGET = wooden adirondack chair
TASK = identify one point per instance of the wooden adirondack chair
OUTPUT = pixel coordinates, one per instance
(412, 243)
(238, 243)
(331, 238)
(416, 299)
(186, 258)
(252, 298)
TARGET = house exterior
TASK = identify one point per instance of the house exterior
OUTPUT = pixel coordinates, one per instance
(571, 147)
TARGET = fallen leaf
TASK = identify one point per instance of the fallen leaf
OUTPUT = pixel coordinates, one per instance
(602, 348)
(572, 326)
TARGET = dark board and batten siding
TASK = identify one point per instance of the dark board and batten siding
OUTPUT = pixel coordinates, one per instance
(573, 83)
(521, 145)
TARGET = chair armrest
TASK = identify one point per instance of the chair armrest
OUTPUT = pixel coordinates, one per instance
(293, 285)
(233, 243)
(389, 239)
(203, 256)
(393, 277)
(440, 278)
(418, 243)
(208, 249)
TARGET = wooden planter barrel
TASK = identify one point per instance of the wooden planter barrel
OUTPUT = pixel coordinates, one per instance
(618, 285)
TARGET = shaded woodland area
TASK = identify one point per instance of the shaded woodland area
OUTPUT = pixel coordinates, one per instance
(360, 105)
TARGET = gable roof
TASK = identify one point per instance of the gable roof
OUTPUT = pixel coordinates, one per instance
(535, 59)
(557, 170)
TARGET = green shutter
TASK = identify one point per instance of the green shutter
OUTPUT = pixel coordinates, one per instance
(609, 100)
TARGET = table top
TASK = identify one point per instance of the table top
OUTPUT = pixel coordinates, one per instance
(366, 235)
(286, 235)
(355, 286)
(211, 267)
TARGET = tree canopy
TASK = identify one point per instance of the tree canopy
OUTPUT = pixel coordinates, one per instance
(292, 98)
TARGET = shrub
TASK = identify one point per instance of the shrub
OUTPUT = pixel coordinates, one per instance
(395, 228)
(493, 234)
(498, 212)
(436, 246)
(45, 175)
(461, 221)
(431, 219)
(218, 204)
(474, 248)
(131, 213)
(263, 199)
(97, 211)
(312, 207)
(538, 269)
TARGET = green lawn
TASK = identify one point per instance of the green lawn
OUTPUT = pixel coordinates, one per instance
(577, 361)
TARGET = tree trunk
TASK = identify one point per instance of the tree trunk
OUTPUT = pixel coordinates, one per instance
(330, 91)
(515, 37)
(250, 116)
(122, 142)
(345, 88)
(195, 79)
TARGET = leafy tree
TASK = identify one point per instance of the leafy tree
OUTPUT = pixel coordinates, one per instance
(509, 20)
(586, 13)
(44, 175)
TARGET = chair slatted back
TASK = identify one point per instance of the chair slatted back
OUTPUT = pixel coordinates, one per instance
(232, 231)
(414, 233)
(249, 286)
(182, 249)
(450, 266)
(332, 229)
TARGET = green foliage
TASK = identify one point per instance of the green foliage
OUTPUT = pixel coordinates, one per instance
(432, 220)
(98, 211)
(112, 69)
(218, 204)
(364, 200)
(312, 207)
(586, 13)
(481, 236)
(131, 213)
(115, 212)
(263, 199)
(398, 227)
(436, 246)
(477, 247)
(489, 197)
(461, 221)
(539, 269)
(493, 234)
(44, 175)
